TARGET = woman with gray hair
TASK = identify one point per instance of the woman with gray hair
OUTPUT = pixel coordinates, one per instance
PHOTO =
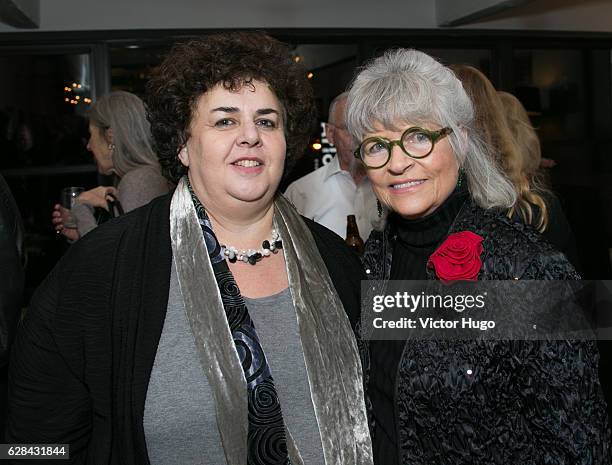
(121, 143)
(441, 201)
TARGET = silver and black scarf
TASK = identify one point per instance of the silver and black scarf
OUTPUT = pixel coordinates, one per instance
(330, 350)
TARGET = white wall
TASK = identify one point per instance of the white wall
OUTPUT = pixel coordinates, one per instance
(63, 15)
(83, 15)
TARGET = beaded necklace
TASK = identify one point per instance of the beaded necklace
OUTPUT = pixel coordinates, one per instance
(252, 256)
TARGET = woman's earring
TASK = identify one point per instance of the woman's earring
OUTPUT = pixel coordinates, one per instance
(460, 178)
(379, 208)
(111, 147)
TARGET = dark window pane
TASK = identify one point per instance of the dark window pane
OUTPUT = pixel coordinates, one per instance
(550, 83)
(43, 102)
(478, 58)
(132, 66)
(43, 99)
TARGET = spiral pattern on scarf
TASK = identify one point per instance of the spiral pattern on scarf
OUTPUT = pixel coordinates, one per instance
(264, 405)
(233, 302)
(266, 438)
(266, 445)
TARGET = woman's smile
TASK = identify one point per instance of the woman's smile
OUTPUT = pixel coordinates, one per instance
(402, 187)
(248, 165)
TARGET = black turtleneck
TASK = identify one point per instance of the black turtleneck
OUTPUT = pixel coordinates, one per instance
(413, 242)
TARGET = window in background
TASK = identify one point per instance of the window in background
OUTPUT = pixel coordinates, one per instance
(478, 58)
(551, 86)
(43, 133)
(132, 65)
(554, 86)
(43, 100)
(330, 69)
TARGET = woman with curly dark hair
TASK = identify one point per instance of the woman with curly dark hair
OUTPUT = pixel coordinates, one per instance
(178, 333)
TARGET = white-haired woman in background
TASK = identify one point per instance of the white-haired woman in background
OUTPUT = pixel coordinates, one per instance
(121, 143)
(460, 402)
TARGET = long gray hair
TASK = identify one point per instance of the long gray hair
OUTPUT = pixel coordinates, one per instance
(125, 114)
(405, 85)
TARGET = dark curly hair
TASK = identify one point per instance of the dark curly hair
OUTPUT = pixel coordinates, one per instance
(233, 59)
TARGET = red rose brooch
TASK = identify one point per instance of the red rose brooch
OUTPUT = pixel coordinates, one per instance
(458, 257)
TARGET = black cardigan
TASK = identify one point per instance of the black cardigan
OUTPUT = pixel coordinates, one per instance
(83, 356)
(11, 260)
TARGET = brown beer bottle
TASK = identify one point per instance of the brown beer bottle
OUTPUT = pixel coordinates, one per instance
(353, 240)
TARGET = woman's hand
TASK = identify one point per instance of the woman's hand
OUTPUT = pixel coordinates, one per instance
(60, 218)
(97, 197)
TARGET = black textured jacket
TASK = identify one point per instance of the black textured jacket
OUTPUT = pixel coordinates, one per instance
(83, 356)
(525, 402)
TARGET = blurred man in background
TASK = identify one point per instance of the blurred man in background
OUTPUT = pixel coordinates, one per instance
(340, 188)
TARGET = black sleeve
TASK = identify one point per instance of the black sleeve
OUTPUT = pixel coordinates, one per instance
(11, 285)
(559, 232)
(48, 402)
(11, 289)
(344, 268)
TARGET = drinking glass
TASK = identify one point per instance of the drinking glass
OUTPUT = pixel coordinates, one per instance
(67, 199)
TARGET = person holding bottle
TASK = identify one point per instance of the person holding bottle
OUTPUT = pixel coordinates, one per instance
(340, 188)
